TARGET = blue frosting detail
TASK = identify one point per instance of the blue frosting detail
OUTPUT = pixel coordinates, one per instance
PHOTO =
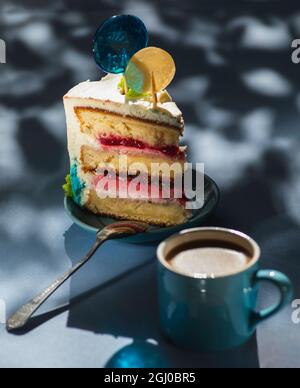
(77, 185)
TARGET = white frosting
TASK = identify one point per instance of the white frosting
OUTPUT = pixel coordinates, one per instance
(105, 95)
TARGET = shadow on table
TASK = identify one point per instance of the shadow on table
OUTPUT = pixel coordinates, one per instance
(164, 355)
(128, 308)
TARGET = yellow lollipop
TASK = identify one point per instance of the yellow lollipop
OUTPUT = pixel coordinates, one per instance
(149, 71)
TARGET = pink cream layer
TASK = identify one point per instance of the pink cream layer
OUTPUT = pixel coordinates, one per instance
(127, 144)
(126, 188)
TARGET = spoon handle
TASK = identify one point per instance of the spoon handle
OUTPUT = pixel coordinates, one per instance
(21, 317)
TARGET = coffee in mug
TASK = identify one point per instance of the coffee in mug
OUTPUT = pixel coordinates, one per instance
(209, 258)
(208, 282)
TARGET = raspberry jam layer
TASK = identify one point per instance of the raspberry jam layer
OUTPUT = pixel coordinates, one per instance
(115, 141)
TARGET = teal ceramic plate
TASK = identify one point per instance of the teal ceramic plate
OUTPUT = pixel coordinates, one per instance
(92, 223)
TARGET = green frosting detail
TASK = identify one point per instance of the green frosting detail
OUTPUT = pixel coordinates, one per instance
(67, 187)
(121, 86)
(132, 94)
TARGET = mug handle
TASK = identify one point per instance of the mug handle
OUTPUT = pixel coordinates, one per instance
(283, 283)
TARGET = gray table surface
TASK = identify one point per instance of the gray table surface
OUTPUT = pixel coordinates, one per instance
(110, 317)
(239, 92)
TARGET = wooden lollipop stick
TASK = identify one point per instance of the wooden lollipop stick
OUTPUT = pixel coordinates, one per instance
(154, 94)
(125, 85)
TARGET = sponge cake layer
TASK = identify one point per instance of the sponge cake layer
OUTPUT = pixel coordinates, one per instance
(157, 214)
(93, 159)
(98, 123)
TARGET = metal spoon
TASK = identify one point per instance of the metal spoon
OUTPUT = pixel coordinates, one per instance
(113, 231)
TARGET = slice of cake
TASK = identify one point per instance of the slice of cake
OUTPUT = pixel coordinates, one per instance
(104, 130)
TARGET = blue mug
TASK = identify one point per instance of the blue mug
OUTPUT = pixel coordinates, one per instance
(214, 313)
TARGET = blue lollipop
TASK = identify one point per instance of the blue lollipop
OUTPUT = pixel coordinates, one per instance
(117, 40)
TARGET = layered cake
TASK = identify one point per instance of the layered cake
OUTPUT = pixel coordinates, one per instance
(104, 126)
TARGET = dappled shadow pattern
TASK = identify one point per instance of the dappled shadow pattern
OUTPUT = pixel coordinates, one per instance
(237, 87)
